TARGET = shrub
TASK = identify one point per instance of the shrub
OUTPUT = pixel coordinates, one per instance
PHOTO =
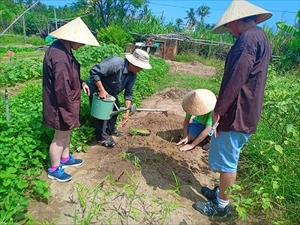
(88, 56)
(19, 40)
(270, 161)
(114, 34)
(17, 70)
(35, 40)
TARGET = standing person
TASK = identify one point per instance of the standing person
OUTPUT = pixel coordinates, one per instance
(110, 77)
(61, 93)
(240, 99)
(198, 104)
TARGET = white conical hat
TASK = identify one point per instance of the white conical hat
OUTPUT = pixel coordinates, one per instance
(76, 31)
(241, 9)
(199, 102)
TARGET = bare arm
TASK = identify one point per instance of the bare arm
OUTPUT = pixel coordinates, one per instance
(201, 136)
(102, 91)
(185, 126)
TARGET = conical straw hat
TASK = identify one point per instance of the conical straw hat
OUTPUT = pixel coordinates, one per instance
(241, 9)
(76, 31)
(199, 102)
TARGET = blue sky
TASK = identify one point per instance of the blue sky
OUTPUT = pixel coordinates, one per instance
(283, 10)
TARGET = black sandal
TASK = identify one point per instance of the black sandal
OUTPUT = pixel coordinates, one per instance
(110, 143)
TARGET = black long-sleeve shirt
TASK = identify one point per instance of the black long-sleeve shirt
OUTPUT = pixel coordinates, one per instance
(114, 75)
(241, 94)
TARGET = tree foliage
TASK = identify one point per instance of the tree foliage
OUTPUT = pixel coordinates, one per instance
(203, 11)
(107, 12)
(191, 18)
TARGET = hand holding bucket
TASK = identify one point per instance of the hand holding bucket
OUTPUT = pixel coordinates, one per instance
(102, 108)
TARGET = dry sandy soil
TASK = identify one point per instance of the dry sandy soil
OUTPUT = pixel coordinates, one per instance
(193, 68)
(159, 157)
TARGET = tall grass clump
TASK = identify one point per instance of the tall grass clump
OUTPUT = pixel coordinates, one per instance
(270, 172)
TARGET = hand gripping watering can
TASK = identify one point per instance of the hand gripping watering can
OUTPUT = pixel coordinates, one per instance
(102, 109)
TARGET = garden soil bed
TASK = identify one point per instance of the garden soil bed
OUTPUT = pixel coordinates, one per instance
(159, 158)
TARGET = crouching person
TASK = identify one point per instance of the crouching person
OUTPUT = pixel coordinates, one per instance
(198, 105)
(109, 78)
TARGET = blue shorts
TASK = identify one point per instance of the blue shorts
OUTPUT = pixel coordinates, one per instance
(225, 150)
(195, 128)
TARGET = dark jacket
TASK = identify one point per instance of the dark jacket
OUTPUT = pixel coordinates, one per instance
(61, 88)
(241, 94)
(114, 76)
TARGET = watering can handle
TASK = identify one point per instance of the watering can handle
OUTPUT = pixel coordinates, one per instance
(116, 107)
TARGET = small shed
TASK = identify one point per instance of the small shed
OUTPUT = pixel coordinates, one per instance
(163, 46)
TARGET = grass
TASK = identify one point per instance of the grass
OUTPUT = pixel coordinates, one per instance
(112, 202)
(190, 82)
(269, 170)
(133, 158)
(14, 40)
(189, 57)
(176, 186)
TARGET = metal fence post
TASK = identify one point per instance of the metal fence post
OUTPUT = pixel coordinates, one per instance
(7, 112)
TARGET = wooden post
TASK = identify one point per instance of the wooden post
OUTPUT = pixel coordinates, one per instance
(55, 18)
(3, 32)
(24, 29)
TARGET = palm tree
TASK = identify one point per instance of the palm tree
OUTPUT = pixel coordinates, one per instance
(203, 11)
(191, 18)
(178, 23)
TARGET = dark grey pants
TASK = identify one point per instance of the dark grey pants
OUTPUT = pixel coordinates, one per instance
(105, 128)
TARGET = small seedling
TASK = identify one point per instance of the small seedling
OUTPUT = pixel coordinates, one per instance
(140, 132)
(132, 158)
(177, 186)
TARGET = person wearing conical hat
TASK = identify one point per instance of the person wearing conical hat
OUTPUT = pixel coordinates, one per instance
(61, 93)
(240, 98)
(109, 78)
(198, 104)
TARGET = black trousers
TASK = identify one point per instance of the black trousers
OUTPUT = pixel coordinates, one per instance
(105, 128)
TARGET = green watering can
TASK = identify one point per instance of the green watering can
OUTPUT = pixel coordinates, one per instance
(102, 109)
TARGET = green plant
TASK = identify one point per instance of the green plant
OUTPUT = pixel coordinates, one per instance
(111, 202)
(147, 24)
(269, 164)
(23, 151)
(132, 158)
(241, 204)
(35, 40)
(176, 186)
(87, 56)
(114, 34)
(137, 131)
(290, 55)
(17, 70)
(14, 39)
(3, 50)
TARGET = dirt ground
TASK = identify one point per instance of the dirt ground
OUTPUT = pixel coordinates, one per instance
(193, 68)
(159, 158)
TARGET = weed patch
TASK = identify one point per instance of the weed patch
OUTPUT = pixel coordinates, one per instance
(119, 203)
